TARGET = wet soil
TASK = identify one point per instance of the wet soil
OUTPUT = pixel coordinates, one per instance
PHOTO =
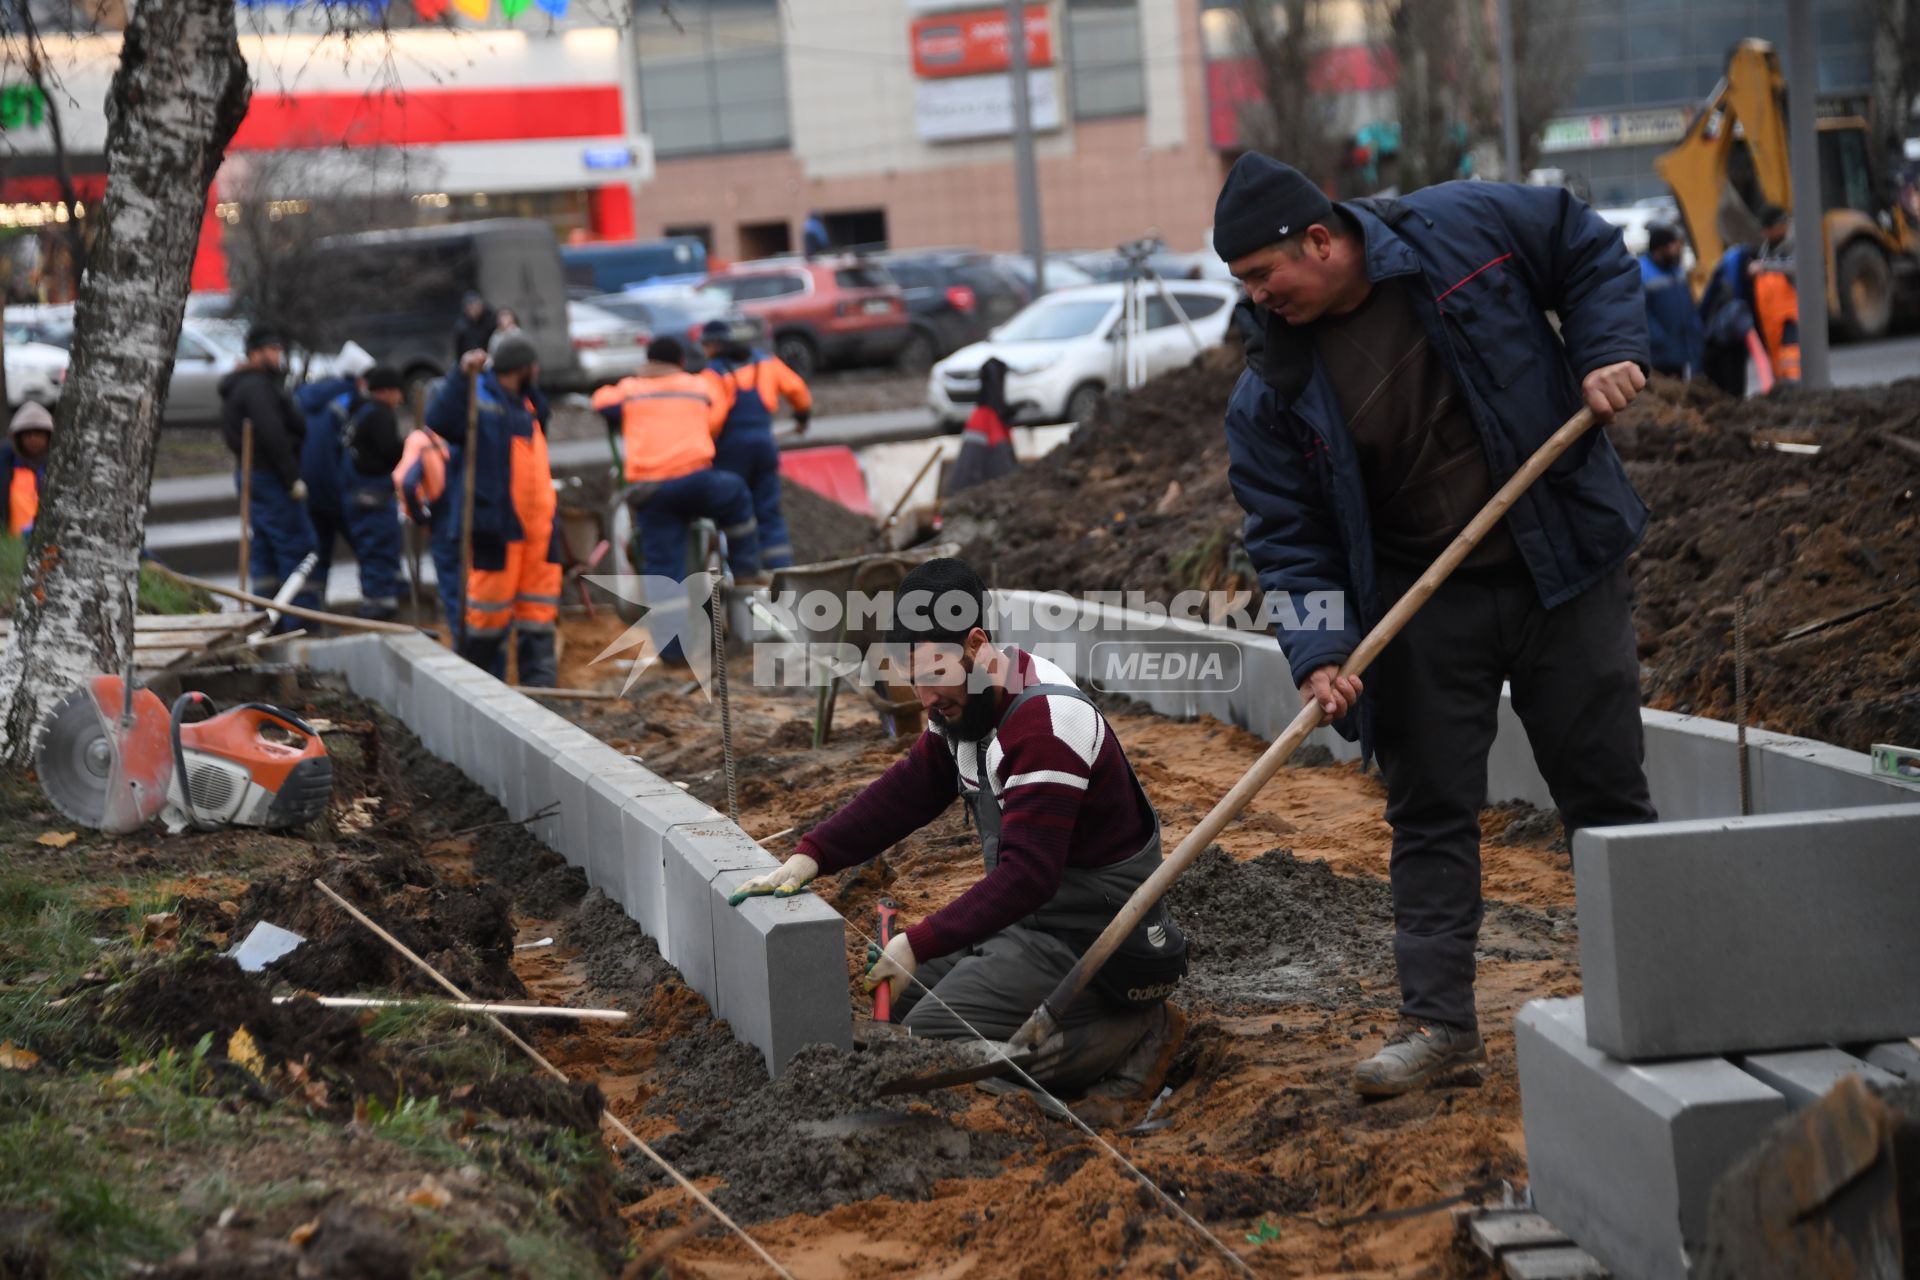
(1137, 500)
(1292, 982)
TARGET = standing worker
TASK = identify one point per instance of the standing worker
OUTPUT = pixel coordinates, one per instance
(420, 485)
(515, 586)
(282, 534)
(474, 327)
(1674, 334)
(23, 467)
(1776, 303)
(753, 383)
(352, 446)
(1067, 834)
(1400, 367)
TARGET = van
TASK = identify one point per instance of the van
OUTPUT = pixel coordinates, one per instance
(397, 293)
(610, 266)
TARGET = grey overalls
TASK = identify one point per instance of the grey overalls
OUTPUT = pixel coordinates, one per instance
(995, 984)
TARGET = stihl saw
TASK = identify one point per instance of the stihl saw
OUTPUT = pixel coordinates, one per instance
(111, 757)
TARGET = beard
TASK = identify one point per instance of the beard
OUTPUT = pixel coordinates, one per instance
(978, 718)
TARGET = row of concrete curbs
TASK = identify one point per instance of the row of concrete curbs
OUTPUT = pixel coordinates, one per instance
(775, 971)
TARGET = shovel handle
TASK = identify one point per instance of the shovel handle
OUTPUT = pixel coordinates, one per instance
(883, 994)
(1045, 1018)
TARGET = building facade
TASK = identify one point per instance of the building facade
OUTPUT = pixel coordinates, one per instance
(893, 122)
(1652, 63)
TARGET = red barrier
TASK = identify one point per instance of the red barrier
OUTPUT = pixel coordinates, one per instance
(830, 471)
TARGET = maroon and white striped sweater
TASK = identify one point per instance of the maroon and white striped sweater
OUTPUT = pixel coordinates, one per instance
(1067, 798)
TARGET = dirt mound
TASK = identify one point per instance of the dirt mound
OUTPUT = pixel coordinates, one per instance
(1137, 500)
(820, 528)
(1823, 549)
(465, 931)
(207, 996)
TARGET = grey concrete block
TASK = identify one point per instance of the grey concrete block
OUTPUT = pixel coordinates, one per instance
(611, 790)
(1747, 934)
(1900, 1058)
(1623, 1158)
(1803, 1076)
(643, 876)
(1795, 774)
(781, 970)
(695, 854)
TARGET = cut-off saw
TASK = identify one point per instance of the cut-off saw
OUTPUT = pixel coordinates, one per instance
(113, 757)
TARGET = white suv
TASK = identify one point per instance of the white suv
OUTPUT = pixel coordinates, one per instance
(1066, 350)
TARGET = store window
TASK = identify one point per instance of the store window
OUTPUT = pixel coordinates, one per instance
(713, 76)
(1103, 51)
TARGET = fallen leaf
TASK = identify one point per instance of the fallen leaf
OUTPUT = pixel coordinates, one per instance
(430, 1194)
(124, 1074)
(242, 1050)
(299, 1236)
(12, 1059)
(161, 931)
(464, 1091)
(57, 839)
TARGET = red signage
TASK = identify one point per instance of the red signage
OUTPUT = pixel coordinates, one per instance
(975, 43)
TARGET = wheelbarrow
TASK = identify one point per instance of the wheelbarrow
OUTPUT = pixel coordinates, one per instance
(867, 574)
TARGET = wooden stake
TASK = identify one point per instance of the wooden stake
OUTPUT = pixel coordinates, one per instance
(246, 499)
(1044, 1019)
(465, 1006)
(918, 476)
(292, 610)
(699, 1196)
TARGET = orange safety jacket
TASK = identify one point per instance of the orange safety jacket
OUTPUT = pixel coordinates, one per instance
(667, 423)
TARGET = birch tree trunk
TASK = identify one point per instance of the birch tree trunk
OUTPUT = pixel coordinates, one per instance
(179, 93)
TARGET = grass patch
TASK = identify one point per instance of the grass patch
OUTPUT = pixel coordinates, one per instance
(157, 594)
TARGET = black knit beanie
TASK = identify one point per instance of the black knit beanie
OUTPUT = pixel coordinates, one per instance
(1262, 203)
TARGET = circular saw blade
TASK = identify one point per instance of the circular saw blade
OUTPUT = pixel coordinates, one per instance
(75, 759)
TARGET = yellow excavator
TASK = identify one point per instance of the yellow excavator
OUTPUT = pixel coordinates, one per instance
(1734, 158)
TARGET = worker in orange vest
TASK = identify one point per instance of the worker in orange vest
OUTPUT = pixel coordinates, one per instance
(666, 420)
(1776, 304)
(515, 586)
(755, 382)
(23, 467)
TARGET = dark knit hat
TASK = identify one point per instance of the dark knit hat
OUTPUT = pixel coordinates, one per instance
(716, 330)
(260, 336)
(514, 352)
(666, 350)
(383, 377)
(1660, 235)
(1262, 203)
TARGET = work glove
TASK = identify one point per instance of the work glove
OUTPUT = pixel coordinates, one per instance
(894, 967)
(791, 877)
(298, 491)
(801, 421)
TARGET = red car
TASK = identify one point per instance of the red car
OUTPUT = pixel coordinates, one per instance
(824, 311)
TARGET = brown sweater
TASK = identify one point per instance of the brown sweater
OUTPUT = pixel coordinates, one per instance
(1425, 470)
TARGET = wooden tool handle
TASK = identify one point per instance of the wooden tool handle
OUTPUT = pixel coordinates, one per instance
(1230, 806)
(344, 621)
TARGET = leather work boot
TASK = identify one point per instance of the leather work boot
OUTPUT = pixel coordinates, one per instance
(1415, 1055)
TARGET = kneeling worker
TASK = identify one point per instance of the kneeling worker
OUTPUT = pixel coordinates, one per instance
(1067, 832)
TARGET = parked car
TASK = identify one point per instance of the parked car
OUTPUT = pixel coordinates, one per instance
(1061, 274)
(682, 311)
(400, 293)
(1065, 351)
(607, 347)
(824, 311)
(611, 265)
(205, 352)
(954, 297)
